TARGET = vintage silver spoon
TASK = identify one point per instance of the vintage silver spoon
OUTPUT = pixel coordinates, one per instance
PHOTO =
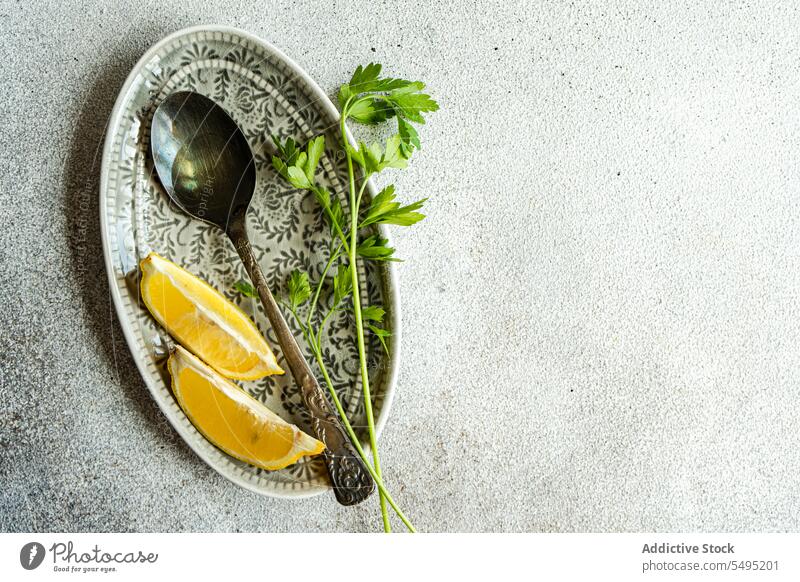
(205, 164)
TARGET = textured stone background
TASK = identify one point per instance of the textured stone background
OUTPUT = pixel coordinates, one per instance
(600, 313)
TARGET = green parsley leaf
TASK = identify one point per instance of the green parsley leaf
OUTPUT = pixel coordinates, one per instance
(382, 335)
(364, 75)
(245, 288)
(408, 136)
(288, 150)
(374, 247)
(384, 210)
(342, 283)
(298, 178)
(356, 153)
(372, 313)
(281, 167)
(370, 99)
(367, 80)
(393, 156)
(336, 216)
(412, 105)
(296, 166)
(344, 95)
(299, 289)
(372, 157)
(315, 149)
(370, 111)
(376, 158)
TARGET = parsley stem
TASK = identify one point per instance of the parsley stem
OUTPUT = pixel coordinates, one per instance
(329, 213)
(357, 444)
(361, 191)
(387, 527)
(331, 259)
(316, 348)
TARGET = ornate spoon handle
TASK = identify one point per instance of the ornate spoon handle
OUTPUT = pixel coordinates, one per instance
(351, 481)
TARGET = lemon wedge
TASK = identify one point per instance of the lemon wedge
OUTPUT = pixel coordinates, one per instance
(205, 322)
(233, 420)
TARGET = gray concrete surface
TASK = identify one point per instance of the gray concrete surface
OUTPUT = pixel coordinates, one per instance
(600, 313)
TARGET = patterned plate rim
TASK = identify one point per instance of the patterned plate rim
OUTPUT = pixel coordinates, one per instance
(115, 283)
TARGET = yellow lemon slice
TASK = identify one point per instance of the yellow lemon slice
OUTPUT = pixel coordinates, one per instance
(205, 322)
(233, 420)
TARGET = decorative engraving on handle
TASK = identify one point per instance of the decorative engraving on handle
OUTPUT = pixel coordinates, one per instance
(351, 481)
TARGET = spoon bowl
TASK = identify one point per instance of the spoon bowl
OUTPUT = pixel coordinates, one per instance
(202, 158)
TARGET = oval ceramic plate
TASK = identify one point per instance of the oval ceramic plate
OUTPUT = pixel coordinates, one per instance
(267, 94)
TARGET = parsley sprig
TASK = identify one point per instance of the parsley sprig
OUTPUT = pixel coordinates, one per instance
(368, 99)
